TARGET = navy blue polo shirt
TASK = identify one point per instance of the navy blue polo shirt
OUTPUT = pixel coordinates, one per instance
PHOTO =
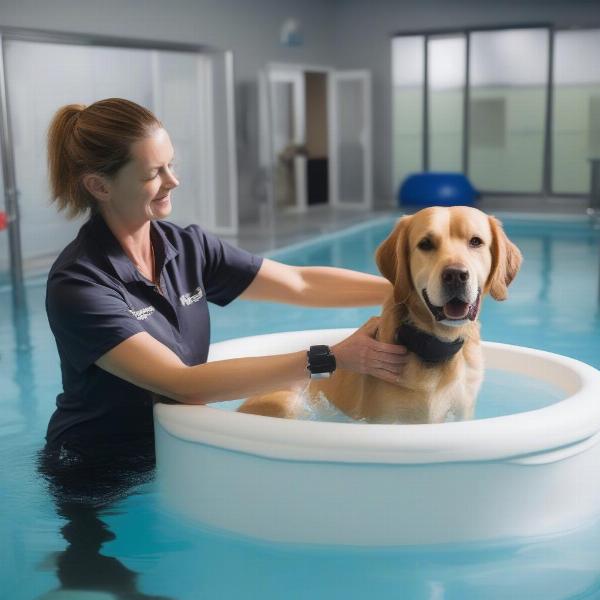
(96, 298)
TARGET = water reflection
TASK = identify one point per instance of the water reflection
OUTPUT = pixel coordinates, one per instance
(85, 482)
(24, 375)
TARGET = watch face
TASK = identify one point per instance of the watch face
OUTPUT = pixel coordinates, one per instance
(320, 361)
(320, 350)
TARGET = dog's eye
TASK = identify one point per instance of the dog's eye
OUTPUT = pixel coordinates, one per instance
(475, 242)
(425, 244)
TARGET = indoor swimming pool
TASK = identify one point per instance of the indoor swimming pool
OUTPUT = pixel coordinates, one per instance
(138, 548)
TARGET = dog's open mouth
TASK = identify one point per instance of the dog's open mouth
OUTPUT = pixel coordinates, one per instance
(455, 309)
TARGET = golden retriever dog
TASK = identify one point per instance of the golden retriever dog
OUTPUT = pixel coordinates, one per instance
(441, 263)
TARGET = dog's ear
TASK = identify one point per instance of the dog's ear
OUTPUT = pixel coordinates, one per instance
(392, 258)
(506, 262)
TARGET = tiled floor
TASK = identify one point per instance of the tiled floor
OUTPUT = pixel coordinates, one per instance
(285, 229)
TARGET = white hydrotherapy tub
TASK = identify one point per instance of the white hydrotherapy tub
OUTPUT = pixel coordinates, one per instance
(526, 474)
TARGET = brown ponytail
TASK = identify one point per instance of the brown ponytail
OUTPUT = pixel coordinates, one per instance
(93, 139)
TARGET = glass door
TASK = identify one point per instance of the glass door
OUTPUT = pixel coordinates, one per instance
(350, 139)
(188, 91)
(287, 136)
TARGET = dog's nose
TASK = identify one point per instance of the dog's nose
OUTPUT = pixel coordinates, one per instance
(455, 276)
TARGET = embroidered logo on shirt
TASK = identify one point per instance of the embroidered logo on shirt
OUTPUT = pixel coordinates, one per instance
(143, 313)
(187, 299)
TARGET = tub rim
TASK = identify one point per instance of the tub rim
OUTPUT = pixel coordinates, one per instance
(566, 426)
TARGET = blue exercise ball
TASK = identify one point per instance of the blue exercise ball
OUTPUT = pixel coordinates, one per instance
(437, 189)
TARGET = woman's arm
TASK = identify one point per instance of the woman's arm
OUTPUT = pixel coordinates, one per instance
(145, 362)
(316, 286)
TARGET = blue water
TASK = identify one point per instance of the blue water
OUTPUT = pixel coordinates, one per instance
(135, 548)
(500, 394)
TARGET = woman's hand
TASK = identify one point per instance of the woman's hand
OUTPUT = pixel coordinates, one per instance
(362, 353)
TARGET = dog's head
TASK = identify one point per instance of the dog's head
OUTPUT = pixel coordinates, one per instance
(446, 259)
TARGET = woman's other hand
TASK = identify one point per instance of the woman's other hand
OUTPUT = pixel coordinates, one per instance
(362, 353)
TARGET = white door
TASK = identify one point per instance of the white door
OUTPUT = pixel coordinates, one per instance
(350, 146)
(284, 114)
(193, 101)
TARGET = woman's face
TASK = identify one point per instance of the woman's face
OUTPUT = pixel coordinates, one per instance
(141, 189)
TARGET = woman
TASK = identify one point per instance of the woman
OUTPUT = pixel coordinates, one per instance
(127, 299)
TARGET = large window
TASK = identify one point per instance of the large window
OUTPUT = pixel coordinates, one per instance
(576, 109)
(408, 76)
(509, 71)
(446, 59)
(478, 102)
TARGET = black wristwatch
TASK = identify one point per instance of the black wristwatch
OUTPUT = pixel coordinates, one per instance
(321, 363)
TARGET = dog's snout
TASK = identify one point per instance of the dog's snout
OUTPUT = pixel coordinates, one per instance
(455, 276)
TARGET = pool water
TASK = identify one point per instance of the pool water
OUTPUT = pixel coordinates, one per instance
(137, 548)
(502, 393)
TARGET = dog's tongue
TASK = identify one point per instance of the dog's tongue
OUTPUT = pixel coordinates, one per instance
(456, 309)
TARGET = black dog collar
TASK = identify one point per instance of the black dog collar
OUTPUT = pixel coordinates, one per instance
(427, 347)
